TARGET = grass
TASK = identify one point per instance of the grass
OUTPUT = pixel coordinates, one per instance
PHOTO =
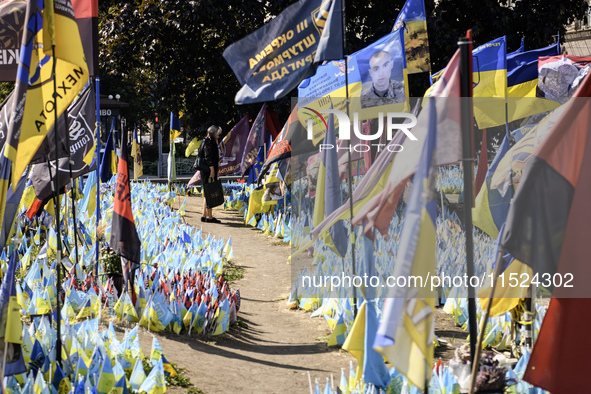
(241, 323)
(321, 339)
(180, 380)
(233, 272)
(195, 390)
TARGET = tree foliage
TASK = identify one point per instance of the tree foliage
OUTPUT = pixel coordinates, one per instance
(166, 55)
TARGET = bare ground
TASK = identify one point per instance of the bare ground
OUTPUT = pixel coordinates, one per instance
(274, 348)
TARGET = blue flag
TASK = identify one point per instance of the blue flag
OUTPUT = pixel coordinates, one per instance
(109, 160)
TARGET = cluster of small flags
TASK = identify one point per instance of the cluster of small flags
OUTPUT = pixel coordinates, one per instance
(92, 361)
(275, 223)
(179, 286)
(177, 302)
(442, 381)
(450, 180)
(336, 307)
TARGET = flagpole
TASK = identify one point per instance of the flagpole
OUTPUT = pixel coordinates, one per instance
(497, 272)
(466, 93)
(72, 185)
(55, 184)
(98, 177)
(350, 169)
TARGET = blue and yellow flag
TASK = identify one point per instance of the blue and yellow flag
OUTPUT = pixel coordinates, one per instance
(273, 60)
(406, 334)
(255, 170)
(175, 127)
(370, 364)
(376, 76)
(491, 204)
(60, 381)
(85, 311)
(522, 83)
(106, 380)
(413, 20)
(155, 382)
(490, 83)
(328, 193)
(338, 335)
(158, 354)
(138, 376)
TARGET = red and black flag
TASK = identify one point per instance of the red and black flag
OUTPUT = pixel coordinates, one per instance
(124, 238)
(548, 229)
(291, 141)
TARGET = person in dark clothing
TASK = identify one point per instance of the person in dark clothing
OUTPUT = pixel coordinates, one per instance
(212, 159)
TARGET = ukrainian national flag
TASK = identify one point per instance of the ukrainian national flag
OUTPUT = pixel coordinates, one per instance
(158, 354)
(492, 206)
(413, 19)
(85, 311)
(409, 347)
(490, 83)
(150, 318)
(120, 386)
(339, 332)
(505, 297)
(522, 83)
(138, 376)
(106, 379)
(175, 127)
(199, 320)
(522, 70)
(155, 382)
(328, 193)
(128, 309)
(370, 364)
(222, 318)
(60, 381)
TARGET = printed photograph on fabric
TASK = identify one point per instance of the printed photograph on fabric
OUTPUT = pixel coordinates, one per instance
(381, 68)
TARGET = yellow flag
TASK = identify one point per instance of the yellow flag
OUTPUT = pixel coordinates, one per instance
(354, 343)
(14, 326)
(48, 32)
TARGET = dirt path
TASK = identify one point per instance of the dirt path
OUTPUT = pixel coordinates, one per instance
(276, 347)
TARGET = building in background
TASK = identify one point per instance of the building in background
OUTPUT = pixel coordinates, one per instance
(578, 36)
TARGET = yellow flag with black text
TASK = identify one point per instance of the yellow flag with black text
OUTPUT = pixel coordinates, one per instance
(51, 39)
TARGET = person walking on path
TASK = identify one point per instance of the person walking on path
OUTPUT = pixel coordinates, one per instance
(212, 158)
